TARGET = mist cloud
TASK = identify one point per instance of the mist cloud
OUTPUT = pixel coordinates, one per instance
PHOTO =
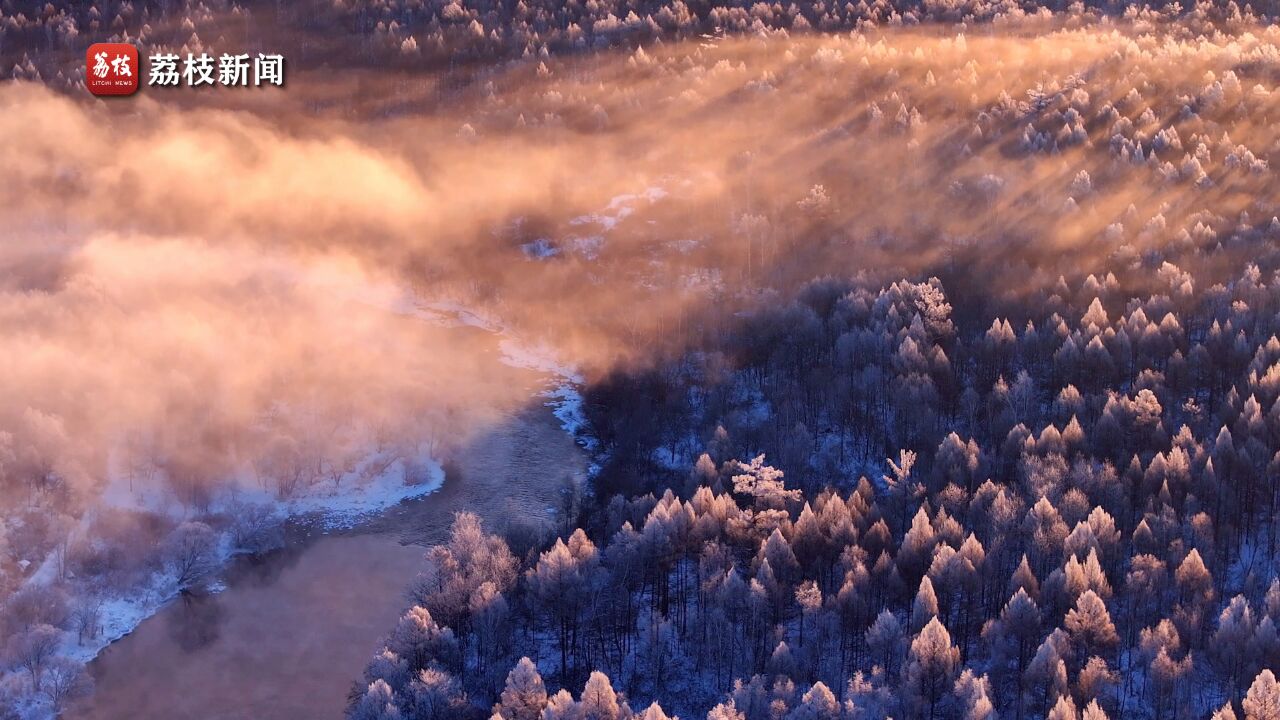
(194, 273)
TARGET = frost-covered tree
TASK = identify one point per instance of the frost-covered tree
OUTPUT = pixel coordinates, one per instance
(974, 695)
(64, 679)
(886, 641)
(763, 483)
(32, 650)
(558, 581)
(377, 703)
(599, 701)
(524, 696)
(420, 640)
(190, 553)
(1262, 702)
(818, 703)
(457, 568)
(925, 606)
(931, 668)
(435, 694)
(1090, 625)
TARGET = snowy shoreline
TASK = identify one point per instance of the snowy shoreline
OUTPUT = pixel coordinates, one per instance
(122, 613)
(121, 616)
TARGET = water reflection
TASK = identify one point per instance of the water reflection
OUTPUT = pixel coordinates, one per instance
(284, 639)
(194, 622)
(266, 569)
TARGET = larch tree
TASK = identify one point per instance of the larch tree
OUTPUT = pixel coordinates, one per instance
(1063, 709)
(818, 703)
(1196, 593)
(525, 696)
(435, 694)
(599, 701)
(925, 607)
(557, 582)
(560, 707)
(420, 640)
(1090, 625)
(885, 640)
(388, 667)
(782, 662)
(1193, 578)
(931, 668)
(1262, 702)
(725, 711)
(867, 697)
(1045, 678)
(917, 547)
(1015, 633)
(1093, 711)
(457, 568)
(809, 599)
(1232, 645)
(974, 695)
(377, 703)
(1168, 678)
(1024, 579)
(654, 712)
(1095, 681)
(490, 624)
(782, 559)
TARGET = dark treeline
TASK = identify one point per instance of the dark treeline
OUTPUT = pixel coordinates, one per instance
(1076, 521)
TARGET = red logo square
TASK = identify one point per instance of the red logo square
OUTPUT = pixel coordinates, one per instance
(112, 69)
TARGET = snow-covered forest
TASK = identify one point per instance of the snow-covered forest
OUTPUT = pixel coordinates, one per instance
(1103, 564)
(927, 352)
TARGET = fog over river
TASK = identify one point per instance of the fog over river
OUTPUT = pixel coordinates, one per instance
(293, 628)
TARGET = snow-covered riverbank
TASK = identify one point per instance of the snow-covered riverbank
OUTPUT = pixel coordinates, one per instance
(330, 510)
(120, 610)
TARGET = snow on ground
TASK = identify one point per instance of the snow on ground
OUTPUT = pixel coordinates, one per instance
(539, 249)
(378, 481)
(399, 481)
(565, 398)
(536, 357)
(619, 208)
(120, 615)
(588, 247)
(564, 393)
(566, 403)
(443, 313)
